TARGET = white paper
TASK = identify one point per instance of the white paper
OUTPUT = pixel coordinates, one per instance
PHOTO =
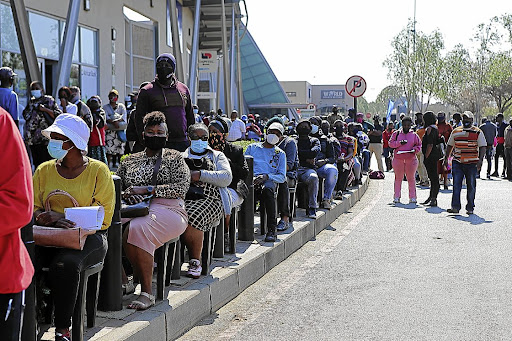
(89, 218)
(405, 151)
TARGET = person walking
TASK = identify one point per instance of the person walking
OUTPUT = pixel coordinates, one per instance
(490, 131)
(508, 149)
(431, 155)
(16, 205)
(406, 144)
(444, 131)
(500, 148)
(468, 145)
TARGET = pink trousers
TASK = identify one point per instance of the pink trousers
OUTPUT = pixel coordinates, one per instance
(408, 167)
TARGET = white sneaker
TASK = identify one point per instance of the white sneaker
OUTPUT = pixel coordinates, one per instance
(396, 201)
(412, 201)
(194, 268)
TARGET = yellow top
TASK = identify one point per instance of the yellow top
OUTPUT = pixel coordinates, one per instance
(93, 187)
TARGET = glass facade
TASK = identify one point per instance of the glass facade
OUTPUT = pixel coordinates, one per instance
(259, 82)
(47, 34)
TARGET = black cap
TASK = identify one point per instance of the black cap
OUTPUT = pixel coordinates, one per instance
(6, 73)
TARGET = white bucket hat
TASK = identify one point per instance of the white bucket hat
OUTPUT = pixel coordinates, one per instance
(71, 126)
(276, 126)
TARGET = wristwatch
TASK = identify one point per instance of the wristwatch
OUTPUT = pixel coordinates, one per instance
(151, 189)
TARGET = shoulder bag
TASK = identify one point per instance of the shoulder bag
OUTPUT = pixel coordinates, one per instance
(142, 208)
(68, 238)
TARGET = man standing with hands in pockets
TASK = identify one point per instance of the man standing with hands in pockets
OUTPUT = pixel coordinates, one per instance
(468, 145)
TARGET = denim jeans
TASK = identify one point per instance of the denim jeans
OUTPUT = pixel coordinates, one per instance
(365, 155)
(459, 171)
(330, 173)
(488, 157)
(310, 178)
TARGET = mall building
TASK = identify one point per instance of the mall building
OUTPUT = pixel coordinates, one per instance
(116, 43)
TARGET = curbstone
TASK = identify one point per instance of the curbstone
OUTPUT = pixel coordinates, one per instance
(274, 256)
(308, 231)
(250, 270)
(320, 222)
(224, 286)
(293, 242)
(187, 307)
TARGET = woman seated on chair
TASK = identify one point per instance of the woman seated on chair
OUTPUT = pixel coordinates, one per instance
(88, 181)
(167, 218)
(218, 132)
(210, 178)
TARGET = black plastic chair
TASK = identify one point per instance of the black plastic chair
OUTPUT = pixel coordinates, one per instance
(164, 256)
(87, 300)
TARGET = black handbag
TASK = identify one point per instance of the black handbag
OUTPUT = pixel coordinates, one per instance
(142, 208)
(197, 192)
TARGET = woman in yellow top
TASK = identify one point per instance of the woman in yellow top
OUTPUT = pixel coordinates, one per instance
(87, 180)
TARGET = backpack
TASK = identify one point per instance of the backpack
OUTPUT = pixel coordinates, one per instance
(378, 175)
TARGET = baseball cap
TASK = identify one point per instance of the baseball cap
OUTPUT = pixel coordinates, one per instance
(168, 58)
(113, 92)
(6, 73)
(276, 126)
(468, 114)
(71, 126)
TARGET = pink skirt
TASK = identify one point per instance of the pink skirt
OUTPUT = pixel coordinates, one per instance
(167, 219)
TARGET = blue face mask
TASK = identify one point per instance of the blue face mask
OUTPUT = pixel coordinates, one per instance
(198, 146)
(55, 149)
(36, 93)
(314, 129)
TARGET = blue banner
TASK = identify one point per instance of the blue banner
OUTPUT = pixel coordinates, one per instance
(391, 105)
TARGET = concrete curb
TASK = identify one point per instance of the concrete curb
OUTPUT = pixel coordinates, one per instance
(187, 305)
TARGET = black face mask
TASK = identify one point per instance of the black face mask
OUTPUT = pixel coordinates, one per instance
(155, 142)
(164, 74)
(303, 130)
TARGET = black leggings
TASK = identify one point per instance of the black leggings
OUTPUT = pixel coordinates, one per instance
(11, 315)
(64, 276)
(431, 166)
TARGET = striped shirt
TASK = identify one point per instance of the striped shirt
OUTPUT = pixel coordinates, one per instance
(466, 142)
(346, 143)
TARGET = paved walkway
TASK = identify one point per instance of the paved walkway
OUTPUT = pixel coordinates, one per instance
(387, 273)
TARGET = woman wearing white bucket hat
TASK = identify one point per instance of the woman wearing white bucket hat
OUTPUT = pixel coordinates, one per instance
(88, 181)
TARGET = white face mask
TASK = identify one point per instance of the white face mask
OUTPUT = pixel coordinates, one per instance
(272, 139)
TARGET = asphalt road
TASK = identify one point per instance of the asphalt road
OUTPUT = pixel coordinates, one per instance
(384, 272)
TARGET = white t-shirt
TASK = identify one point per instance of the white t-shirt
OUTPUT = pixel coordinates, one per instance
(237, 130)
(70, 108)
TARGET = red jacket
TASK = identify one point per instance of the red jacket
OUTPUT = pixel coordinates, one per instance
(16, 207)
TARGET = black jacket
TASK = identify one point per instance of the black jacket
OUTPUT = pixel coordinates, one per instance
(239, 168)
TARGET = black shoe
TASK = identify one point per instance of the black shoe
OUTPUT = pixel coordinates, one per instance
(426, 202)
(433, 203)
(503, 176)
(452, 210)
(282, 226)
(445, 187)
(271, 236)
(495, 174)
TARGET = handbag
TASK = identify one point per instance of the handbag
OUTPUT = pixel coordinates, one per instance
(141, 209)
(68, 238)
(196, 192)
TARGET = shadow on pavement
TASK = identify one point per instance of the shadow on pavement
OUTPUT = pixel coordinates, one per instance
(435, 210)
(473, 219)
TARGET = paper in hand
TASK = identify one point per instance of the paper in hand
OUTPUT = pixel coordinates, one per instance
(405, 151)
(89, 218)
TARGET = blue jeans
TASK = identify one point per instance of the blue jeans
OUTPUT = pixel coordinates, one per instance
(310, 178)
(365, 155)
(459, 171)
(330, 173)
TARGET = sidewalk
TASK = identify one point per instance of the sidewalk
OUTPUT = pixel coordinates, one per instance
(188, 300)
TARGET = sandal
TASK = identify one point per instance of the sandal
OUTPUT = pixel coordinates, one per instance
(138, 305)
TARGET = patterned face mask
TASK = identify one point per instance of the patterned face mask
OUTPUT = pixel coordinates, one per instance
(217, 141)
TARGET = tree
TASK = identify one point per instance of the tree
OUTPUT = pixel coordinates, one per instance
(498, 80)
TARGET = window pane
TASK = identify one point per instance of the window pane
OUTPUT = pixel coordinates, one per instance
(14, 61)
(89, 81)
(143, 70)
(88, 46)
(8, 30)
(74, 76)
(76, 55)
(143, 41)
(45, 33)
(128, 72)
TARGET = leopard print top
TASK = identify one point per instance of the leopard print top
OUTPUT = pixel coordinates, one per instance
(173, 178)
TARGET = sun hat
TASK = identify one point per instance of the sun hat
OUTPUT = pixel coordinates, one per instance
(71, 126)
(276, 126)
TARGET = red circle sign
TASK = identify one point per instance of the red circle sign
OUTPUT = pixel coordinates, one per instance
(355, 86)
